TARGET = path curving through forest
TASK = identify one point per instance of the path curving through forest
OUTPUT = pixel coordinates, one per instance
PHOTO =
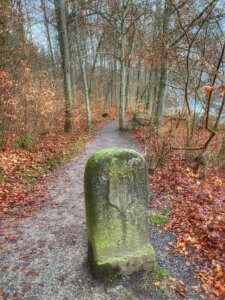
(48, 259)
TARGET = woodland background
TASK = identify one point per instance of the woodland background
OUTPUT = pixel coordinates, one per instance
(162, 57)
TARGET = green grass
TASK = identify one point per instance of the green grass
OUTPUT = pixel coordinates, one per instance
(26, 141)
(2, 178)
(158, 219)
(54, 162)
(31, 181)
(161, 272)
(91, 128)
(163, 289)
(45, 168)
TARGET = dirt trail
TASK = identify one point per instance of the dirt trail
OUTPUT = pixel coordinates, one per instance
(48, 259)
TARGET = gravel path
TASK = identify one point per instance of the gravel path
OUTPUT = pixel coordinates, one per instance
(46, 259)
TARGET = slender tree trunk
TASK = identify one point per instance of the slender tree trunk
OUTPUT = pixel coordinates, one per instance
(163, 66)
(107, 94)
(62, 27)
(46, 22)
(150, 90)
(20, 25)
(155, 89)
(115, 83)
(95, 59)
(72, 52)
(73, 79)
(122, 79)
(128, 85)
(138, 81)
(83, 69)
(161, 93)
(146, 89)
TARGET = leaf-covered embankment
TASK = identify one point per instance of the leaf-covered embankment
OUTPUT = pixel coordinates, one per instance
(197, 204)
(23, 172)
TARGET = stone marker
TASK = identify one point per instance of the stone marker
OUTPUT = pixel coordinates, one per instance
(116, 198)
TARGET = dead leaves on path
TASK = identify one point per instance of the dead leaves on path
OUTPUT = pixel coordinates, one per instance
(178, 286)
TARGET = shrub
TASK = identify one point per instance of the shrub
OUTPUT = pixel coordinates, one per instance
(26, 141)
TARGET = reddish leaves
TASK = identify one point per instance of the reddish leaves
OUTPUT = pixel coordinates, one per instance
(197, 202)
(222, 88)
(23, 173)
(207, 88)
(198, 218)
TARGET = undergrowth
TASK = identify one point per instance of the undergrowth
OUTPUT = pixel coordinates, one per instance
(24, 170)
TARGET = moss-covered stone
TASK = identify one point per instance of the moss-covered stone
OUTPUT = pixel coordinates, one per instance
(116, 198)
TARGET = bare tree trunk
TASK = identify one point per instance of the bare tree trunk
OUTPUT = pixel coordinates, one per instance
(150, 90)
(20, 25)
(128, 86)
(163, 67)
(138, 81)
(161, 93)
(146, 89)
(72, 52)
(62, 28)
(73, 79)
(94, 62)
(154, 94)
(115, 83)
(46, 22)
(131, 46)
(122, 78)
(83, 68)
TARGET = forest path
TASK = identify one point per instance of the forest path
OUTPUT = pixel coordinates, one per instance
(47, 260)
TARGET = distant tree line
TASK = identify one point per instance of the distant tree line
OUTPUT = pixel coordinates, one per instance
(164, 57)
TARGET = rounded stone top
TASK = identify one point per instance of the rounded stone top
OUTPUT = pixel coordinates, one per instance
(108, 154)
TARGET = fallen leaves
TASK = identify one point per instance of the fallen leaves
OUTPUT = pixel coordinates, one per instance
(157, 283)
(198, 223)
(197, 202)
(23, 173)
(173, 279)
(181, 288)
(178, 286)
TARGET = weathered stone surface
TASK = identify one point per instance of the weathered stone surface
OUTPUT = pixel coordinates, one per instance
(116, 197)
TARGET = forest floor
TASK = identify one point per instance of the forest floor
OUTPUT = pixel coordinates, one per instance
(44, 256)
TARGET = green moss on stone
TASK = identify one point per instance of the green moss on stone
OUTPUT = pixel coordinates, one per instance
(110, 153)
(117, 237)
(142, 259)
